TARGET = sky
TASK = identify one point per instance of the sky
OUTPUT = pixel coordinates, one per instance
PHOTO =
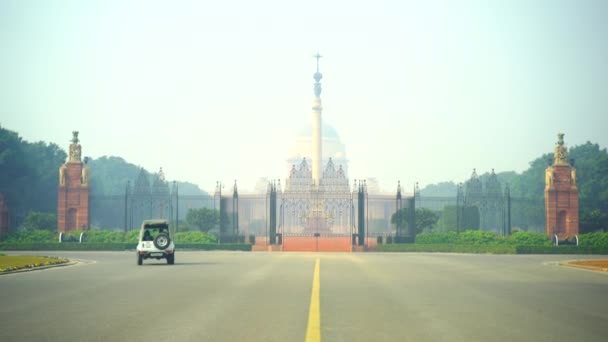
(419, 91)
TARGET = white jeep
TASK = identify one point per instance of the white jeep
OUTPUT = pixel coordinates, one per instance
(155, 242)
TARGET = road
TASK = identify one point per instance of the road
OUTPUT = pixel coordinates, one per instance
(238, 296)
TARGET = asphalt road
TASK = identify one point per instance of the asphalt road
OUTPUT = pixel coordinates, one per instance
(237, 296)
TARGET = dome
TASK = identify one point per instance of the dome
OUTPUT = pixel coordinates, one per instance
(301, 147)
(327, 131)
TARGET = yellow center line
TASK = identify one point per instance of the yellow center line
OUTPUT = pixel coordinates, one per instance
(313, 332)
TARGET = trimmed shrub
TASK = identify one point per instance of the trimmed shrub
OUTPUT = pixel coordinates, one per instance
(448, 248)
(131, 236)
(560, 250)
(215, 246)
(101, 236)
(491, 249)
(479, 237)
(39, 220)
(30, 236)
(437, 238)
(523, 238)
(194, 236)
(598, 240)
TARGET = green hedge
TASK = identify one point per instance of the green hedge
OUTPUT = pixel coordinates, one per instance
(490, 249)
(31, 236)
(480, 237)
(597, 240)
(105, 236)
(72, 246)
(561, 250)
(522, 238)
(215, 247)
(194, 237)
(519, 238)
(101, 236)
(447, 248)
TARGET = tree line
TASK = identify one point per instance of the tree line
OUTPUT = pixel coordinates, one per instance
(28, 174)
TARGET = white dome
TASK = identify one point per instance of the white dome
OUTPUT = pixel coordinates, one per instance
(327, 131)
(301, 147)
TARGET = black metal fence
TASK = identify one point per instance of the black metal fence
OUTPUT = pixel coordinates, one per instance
(368, 215)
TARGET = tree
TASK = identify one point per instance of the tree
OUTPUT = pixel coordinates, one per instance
(592, 220)
(38, 220)
(453, 220)
(425, 219)
(399, 219)
(204, 219)
(28, 174)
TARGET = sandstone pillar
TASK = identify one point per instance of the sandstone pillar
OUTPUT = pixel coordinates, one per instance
(73, 191)
(561, 195)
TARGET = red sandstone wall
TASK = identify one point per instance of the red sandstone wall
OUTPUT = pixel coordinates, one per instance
(312, 244)
(321, 244)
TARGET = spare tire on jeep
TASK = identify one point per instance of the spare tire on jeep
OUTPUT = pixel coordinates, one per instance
(162, 241)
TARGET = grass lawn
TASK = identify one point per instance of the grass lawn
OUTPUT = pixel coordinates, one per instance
(16, 262)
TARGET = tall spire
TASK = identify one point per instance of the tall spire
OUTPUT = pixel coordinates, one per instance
(318, 76)
(317, 152)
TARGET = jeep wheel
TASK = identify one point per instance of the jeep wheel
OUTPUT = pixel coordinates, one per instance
(162, 241)
(171, 259)
(140, 259)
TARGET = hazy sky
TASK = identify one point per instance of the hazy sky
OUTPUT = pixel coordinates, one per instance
(216, 90)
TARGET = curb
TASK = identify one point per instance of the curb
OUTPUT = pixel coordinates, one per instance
(571, 264)
(69, 263)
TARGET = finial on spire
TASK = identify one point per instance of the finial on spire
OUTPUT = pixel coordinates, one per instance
(75, 137)
(317, 76)
(317, 56)
(561, 152)
(560, 138)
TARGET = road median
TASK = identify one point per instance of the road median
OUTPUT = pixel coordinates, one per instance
(24, 263)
